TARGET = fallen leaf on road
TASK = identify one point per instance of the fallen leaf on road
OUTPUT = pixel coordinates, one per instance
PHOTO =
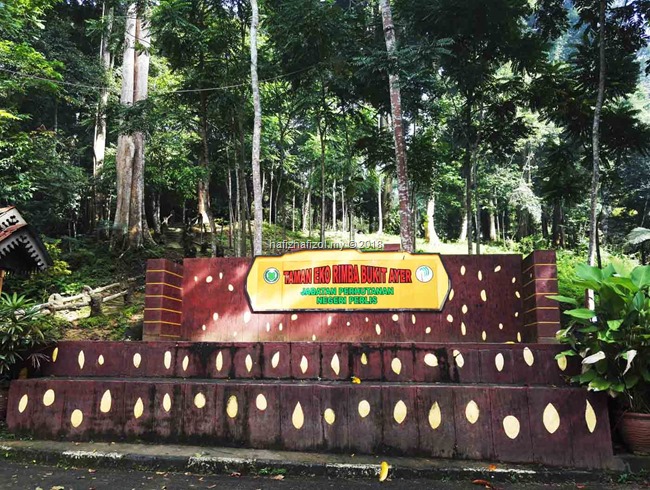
(578, 485)
(484, 483)
(383, 471)
(492, 467)
(277, 477)
(90, 470)
(57, 487)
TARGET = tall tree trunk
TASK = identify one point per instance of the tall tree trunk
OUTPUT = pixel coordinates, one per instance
(595, 138)
(322, 133)
(100, 212)
(493, 225)
(406, 231)
(463, 229)
(257, 131)
(468, 177)
(239, 237)
(204, 207)
(432, 236)
(343, 210)
(155, 212)
(125, 144)
(231, 214)
(334, 205)
(293, 212)
(380, 211)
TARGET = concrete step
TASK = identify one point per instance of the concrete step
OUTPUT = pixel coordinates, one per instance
(548, 425)
(518, 364)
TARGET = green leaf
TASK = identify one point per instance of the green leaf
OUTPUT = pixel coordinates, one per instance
(600, 384)
(589, 273)
(638, 301)
(641, 276)
(583, 313)
(614, 324)
(563, 299)
(566, 353)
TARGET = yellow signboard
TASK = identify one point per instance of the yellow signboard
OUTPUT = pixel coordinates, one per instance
(311, 280)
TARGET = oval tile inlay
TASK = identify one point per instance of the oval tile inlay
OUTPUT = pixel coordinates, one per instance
(463, 328)
(232, 407)
(100, 360)
(364, 359)
(55, 354)
(528, 356)
(329, 416)
(81, 359)
(400, 411)
(430, 360)
(335, 364)
(458, 358)
(76, 418)
(138, 409)
(22, 404)
(304, 364)
(137, 360)
(249, 363)
(435, 416)
(590, 417)
(167, 402)
(511, 426)
(199, 400)
(106, 402)
(49, 397)
(298, 417)
(167, 359)
(483, 295)
(378, 329)
(219, 361)
(186, 363)
(260, 402)
(396, 365)
(499, 362)
(364, 408)
(551, 418)
(472, 412)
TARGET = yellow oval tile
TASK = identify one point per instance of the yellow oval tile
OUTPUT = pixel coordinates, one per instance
(450, 318)
(231, 288)
(298, 417)
(511, 426)
(138, 408)
(167, 402)
(22, 404)
(364, 359)
(268, 327)
(335, 364)
(220, 275)
(497, 268)
(518, 336)
(304, 365)
(396, 365)
(562, 363)
(329, 416)
(249, 363)
(137, 360)
(363, 408)
(480, 276)
(294, 317)
(451, 295)
(77, 418)
(280, 327)
(463, 328)
(483, 295)
(329, 320)
(275, 360)
(551, 418)
(167, 360)
(462, 270)
(590, 417)
(55, 354)
(219, 361)
(260, 402)
(514, 280)
(49, 397)
(430, 360)
(484, 335)
(81, 359)
(232, 407)
(400, 411)
(199, 400)
(529, 358)
(100, 360)
(500, 326)
(378, 329)
(517, 294)
(106, 402)
(208, 279)
(413, 319)
(458, 358)
(427, 330)
(215, 316)
(499, 362)
(186, 363)
(395, 317)
(435, 416)
(472, 412)
(464, 309)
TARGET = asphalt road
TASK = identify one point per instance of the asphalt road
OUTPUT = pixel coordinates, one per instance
(22, 476)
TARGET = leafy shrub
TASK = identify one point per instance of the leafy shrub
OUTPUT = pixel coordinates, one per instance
(21, 331)
(614, 338)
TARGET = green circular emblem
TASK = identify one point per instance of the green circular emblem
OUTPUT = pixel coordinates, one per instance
(271, 275)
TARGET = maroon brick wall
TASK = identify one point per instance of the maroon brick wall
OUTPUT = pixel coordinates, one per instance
(541, 315)
(163, 300)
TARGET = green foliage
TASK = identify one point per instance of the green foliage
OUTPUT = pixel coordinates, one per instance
(613, 340)
(21, 331)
